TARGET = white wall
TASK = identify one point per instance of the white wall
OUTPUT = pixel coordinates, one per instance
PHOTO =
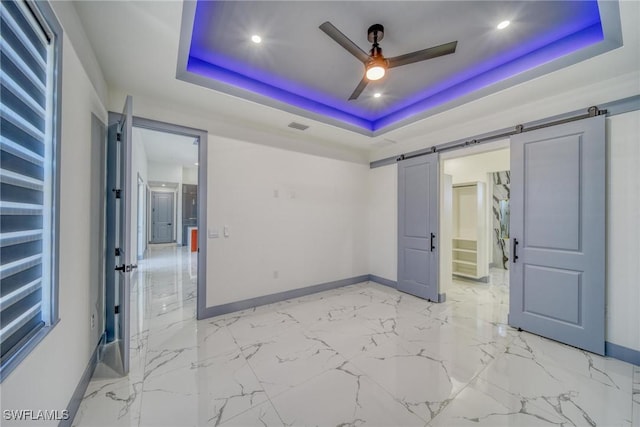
(300, 215)
(623, 230)
(623, 224)
(190, 176)
(48, 376)
(382, 212)
(475, 167)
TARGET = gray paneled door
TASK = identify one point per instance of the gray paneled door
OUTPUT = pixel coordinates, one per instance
(119, 255)
(417, 227)
(162, 217)
(557, 275)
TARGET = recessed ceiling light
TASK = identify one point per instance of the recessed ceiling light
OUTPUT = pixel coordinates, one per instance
(377, 95)
(163, 185)
(503, 25)
(256, 39)
(196, 163)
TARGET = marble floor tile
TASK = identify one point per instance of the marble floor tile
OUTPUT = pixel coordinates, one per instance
(483, 404)
(363, 354)
(110, 402)
(263, 415)
(420, 382)
(287, 360)
(575, 398)
(342, 396)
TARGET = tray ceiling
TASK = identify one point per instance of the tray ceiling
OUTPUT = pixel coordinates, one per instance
(298, 68)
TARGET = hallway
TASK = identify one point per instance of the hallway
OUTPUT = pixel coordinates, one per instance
(361, 354)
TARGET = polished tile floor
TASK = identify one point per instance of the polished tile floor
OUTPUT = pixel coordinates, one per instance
(359, 355)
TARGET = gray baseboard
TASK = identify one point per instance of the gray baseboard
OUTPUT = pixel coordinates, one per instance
(381, 280)
(622, 353)
(218, 310)
(81, 388)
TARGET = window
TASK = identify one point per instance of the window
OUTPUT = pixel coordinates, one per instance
(29, 133)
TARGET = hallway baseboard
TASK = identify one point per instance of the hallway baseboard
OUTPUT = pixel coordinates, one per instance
(81, 388)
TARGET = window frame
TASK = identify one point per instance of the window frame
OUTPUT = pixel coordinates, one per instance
(46, 18)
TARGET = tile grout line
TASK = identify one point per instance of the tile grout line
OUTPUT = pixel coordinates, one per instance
(259, 382)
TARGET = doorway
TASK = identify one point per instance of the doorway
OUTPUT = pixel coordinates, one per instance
(474, 228)
(129, 203)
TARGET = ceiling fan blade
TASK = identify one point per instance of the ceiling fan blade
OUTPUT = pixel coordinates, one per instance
(344, 41)
(422, 55)
(358, 90)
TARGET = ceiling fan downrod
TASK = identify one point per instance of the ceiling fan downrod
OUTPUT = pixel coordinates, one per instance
(375, 34)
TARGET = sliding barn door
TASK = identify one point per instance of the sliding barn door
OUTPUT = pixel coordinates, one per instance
(417, 226)
(557, 274)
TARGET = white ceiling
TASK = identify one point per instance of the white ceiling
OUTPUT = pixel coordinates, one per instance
(137, 47)
(167, 148)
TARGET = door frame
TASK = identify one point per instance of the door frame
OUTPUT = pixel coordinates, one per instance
(174, 225)
(202, 137)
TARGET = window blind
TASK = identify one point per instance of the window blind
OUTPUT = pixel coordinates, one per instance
(25, 176)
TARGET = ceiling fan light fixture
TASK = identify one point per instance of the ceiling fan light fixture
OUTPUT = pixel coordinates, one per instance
(375, 72)
(376, 69)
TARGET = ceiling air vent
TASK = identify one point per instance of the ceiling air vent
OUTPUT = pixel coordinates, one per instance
(384, 142)
(298, 126)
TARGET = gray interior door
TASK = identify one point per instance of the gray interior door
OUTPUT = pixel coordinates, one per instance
(119, 255)
(417, 227)
(557, 278)
(162, 217)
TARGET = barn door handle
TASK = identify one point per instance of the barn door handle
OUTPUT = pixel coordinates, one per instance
(433, 236)
(515, 250)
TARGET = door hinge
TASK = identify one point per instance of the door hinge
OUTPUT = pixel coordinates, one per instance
(116, 309)
(117, 251)
(118, 192)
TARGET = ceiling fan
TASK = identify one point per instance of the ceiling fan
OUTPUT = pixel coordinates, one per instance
(375, 63)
